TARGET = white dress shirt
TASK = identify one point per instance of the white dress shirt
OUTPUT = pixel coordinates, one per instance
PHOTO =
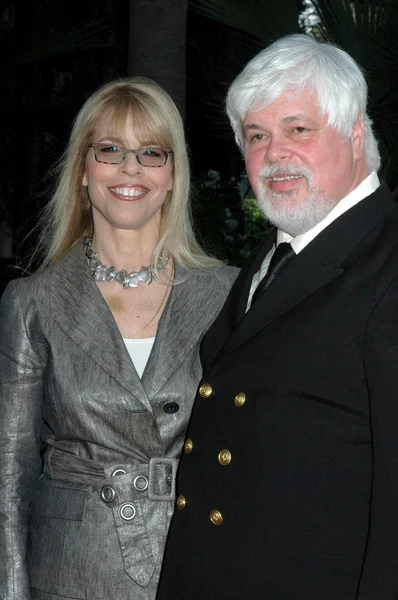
(364, 189)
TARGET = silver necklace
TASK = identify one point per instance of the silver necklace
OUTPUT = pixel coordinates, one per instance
(128, 280)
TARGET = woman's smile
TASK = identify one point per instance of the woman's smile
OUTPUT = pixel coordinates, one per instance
(129, 192)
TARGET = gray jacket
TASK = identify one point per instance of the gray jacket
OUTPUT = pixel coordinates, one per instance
(88, 451)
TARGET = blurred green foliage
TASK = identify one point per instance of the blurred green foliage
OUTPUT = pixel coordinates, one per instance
(227, 226)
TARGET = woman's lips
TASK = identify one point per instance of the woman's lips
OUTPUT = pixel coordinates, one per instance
(128, 192)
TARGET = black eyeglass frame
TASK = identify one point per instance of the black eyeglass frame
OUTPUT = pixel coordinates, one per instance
(136, 151)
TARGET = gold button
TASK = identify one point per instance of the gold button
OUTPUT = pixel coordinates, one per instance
(188, 446)
(205, 390)
(224, 457)
(240, 399)
(181, 502)
(216, 517)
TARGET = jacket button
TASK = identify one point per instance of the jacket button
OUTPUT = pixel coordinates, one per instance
(107, 494)
(224, 457)
(171, 407)
(240, 399)
(188, 446)
(181, 502)
(205, 390)
(216, 517)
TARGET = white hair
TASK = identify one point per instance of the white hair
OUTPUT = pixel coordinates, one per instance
(296, 62)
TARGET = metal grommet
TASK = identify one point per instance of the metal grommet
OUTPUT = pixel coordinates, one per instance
(107, 494)
(127, 511)
(140, 483)
(118, 472)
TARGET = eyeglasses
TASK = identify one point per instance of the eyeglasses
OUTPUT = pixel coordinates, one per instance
(149, 156)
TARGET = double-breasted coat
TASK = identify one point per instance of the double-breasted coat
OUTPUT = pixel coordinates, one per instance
(288, 487)
(88, 451)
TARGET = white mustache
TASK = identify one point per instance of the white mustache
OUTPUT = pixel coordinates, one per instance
(283, 171)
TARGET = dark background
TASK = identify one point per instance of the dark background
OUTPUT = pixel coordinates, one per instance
(54, 55)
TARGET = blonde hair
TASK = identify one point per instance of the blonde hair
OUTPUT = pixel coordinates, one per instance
(67, 217)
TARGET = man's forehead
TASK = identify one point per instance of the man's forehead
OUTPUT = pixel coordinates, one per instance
(251, 122)
(289, 107)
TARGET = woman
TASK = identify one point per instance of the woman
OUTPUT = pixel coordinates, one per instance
(99, 358)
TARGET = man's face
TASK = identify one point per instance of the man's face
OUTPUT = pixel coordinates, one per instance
(298, 167)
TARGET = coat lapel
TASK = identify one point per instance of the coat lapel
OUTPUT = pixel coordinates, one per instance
(235, 305)
(181, 326)
(316, 265)
(81, 311)
(291, 287)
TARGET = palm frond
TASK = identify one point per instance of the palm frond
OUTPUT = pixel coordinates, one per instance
(366, 29)
(263, 20)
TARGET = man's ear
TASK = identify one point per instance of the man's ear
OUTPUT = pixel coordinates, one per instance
(358, 138)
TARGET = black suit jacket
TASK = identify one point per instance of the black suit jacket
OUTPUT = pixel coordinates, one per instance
(309, 499)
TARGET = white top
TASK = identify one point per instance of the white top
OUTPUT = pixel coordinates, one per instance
(364, 189)
(139, 350)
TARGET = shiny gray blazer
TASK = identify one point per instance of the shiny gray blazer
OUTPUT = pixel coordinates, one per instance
(88, 451)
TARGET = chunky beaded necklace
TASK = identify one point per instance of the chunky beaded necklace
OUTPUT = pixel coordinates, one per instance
(128, 280)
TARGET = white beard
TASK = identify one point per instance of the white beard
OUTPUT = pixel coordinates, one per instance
(291, 217)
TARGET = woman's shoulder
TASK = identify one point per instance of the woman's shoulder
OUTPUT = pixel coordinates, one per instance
(39, 283)
(212, 281)
(228, 272)
(26, 283)
(224, 272)
(28, 294)
(223, 277)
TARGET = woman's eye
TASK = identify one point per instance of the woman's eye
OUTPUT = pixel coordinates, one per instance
(110, 149)
(152, 152)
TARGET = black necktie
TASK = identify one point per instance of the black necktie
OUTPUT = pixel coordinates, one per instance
(279, 260)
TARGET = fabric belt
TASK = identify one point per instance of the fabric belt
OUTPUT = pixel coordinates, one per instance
(123, 488)
(156, 479)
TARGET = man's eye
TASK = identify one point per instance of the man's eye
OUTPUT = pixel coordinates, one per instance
(299, 130)
(258, 137)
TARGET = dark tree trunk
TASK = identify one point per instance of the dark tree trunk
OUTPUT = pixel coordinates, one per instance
(157, 44)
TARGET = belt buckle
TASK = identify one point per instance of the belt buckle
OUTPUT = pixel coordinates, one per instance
(153, 463)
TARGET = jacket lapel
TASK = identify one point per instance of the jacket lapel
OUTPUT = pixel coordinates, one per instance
(81, 311)
(234, 307)
(315, 266)
(181, 326)
(291, 287)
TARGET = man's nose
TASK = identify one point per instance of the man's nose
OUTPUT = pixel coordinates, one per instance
(277, 150)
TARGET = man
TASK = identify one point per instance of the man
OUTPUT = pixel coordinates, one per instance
(288, 486)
